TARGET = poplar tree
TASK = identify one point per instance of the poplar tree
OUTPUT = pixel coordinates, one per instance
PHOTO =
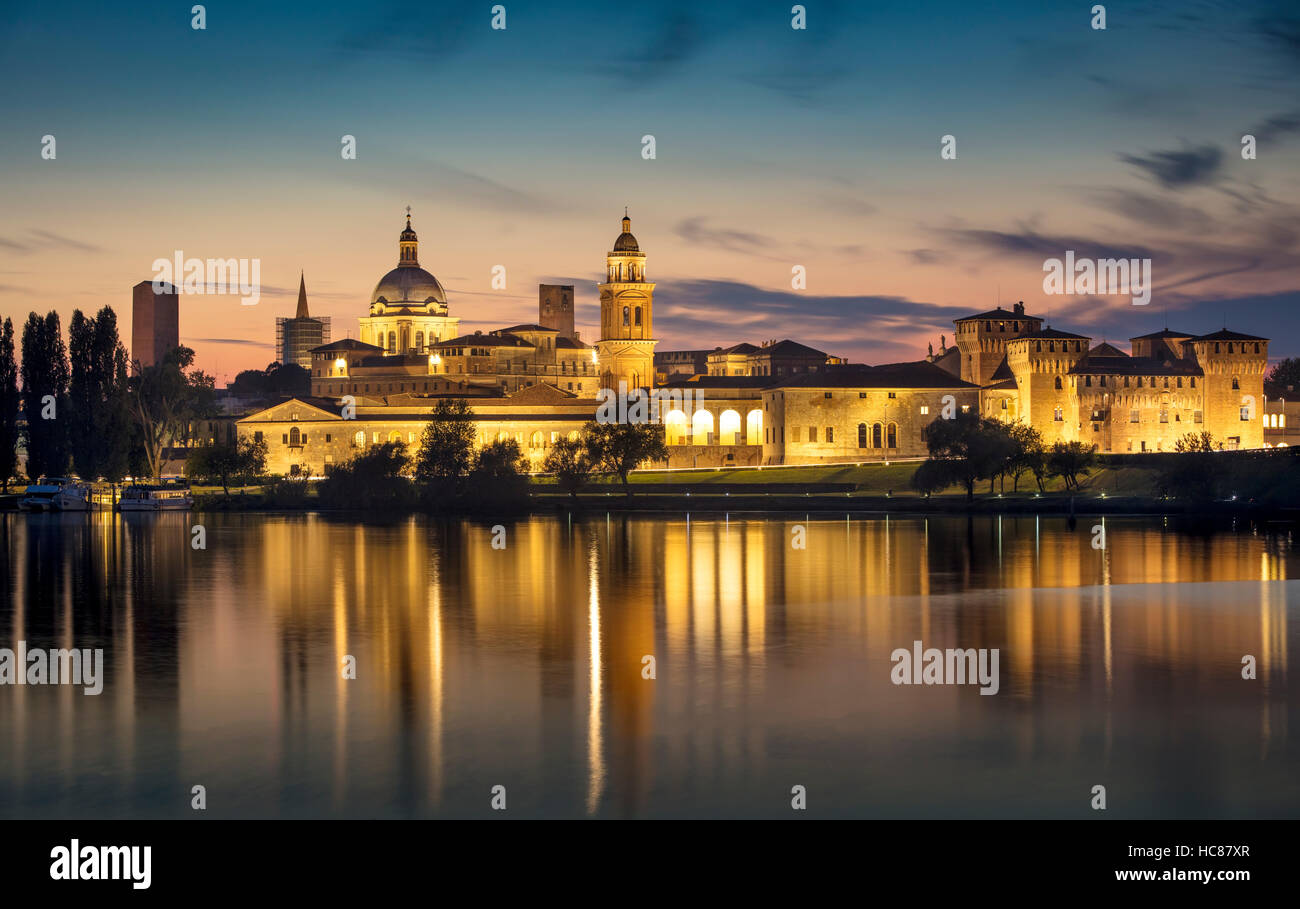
(45, 395)
(9, 405)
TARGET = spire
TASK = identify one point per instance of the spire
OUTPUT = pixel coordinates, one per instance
(408, 245)
(302, 298)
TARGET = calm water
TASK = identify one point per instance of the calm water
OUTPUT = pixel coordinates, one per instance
(522, 667)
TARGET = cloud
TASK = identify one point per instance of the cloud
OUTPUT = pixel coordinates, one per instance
(1275, 129)
(238, 342)
(1153, 211)
(1179, 169)
(695, 232)
(925, 256)
(38, 239)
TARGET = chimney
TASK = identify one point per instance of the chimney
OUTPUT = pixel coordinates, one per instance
(1020, 308)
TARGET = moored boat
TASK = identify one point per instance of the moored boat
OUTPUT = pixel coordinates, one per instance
(148, 497)
(56, 494)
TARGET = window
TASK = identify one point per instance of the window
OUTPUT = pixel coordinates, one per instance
(1164, 416)
(965, 408)
(257, 436)
(1235, 384)
(925, 408)
(892, 395)
(877, 436)
(327, 437)
(1245, 413)
(627, 315)
(1004, 403)
(862, 394)
(827, 395)
(1087, 381)
(830, 434)
(1058, 383)
(794, 434)
(862, 435)
(891, 437)
(812, 433)
(1198, 417)
(1134, 416)
(1058, 416)
(638, 315)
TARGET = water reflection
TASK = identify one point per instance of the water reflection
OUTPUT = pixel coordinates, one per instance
(523, 666)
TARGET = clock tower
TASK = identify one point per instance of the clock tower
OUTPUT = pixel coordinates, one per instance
(625, 351)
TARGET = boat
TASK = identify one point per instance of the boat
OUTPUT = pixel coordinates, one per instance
(155, 497)
(56, 494)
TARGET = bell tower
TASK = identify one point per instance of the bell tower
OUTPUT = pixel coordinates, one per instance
(625, 351)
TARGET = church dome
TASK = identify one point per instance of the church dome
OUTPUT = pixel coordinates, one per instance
(408, 284)
(626, 243)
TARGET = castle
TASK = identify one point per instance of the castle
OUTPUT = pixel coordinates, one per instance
(779, 402)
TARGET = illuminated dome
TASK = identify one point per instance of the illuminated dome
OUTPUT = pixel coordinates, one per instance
(408, 285)
(626, 242)
(412, 286)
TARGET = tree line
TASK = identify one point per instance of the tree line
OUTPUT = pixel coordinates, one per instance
(78, 405)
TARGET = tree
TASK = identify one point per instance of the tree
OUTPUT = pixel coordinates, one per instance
(278, 380)
(931, 477)
(1027, 454)
(98, 403)
(499, 474)
(570, 461)
(9, 405)
(45, 395)
(167, 398)
(1198, 442)
(1069, 460)
(372, 479)
(244, 458)
(446, 451)
(967, 448)
(621, 447)
(1283, 380)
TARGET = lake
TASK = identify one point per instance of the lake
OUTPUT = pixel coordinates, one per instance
(518, 658)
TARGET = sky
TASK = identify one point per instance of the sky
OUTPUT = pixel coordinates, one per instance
(774, 148)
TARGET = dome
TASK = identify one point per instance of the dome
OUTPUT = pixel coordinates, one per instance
(626, 243)
(409, 285)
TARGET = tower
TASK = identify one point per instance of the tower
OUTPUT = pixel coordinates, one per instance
(982, 340)
(295, 338)
(1041, 364)
(1232, 390)
(625, 351)
(155, 322)
(555, 308)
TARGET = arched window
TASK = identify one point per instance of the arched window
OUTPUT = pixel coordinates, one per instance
(627, 315)
(638, 315)
(1057, 415)
(419, 341)
(536, 440)
(392, 342)
(294, 438)
(1058, 383)
(359, 440)
(877, 432)
(675, 432)
(754, 428)
(1235, 384)
(394, 436)
(891, 436)
(702, 428)
(729, 428)
(862, 435)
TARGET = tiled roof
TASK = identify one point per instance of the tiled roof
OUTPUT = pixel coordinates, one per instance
(917, 374)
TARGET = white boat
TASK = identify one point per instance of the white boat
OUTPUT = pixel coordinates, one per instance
(56, 494)
(155, 498)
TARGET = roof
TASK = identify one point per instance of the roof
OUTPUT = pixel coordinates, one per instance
(532, 326)
(1105, 349)
(1050, 334)
(792, 348)
(477, 340)
(1226, 335)
(1003, 372)
(345, 344)
(1135, 366)
(741, 348)
(917, 374)
(571, 343)
(703, 381)
(1000, 313)
(1162, 334)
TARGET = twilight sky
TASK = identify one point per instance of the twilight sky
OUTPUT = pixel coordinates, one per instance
(775, 148)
